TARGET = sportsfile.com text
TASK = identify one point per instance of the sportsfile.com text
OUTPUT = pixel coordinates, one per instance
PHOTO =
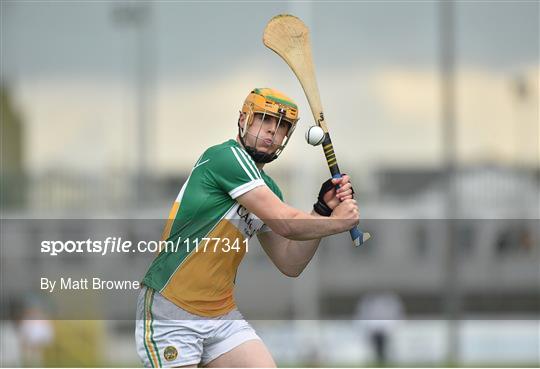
(118, 245)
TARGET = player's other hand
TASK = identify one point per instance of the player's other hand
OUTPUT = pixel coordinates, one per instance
(347, 211)
(345, 191)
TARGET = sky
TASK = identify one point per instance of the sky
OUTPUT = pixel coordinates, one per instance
(72, 68)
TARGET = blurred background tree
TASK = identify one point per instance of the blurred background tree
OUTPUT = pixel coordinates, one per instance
(12, 189)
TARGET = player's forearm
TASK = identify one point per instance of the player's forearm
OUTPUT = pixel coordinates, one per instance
(299, 253)
(303, 226)
(287, 221)
(297, 256)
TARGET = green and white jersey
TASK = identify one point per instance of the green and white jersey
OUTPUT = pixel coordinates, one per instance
(210, 231)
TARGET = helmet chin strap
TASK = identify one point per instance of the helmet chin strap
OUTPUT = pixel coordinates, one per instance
(257, 156)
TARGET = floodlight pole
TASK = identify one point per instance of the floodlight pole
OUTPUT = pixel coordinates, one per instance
(451, 298)
(138, 16)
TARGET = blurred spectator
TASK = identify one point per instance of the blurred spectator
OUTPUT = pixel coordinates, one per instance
(514, 240)
(378, 313)
(9, 345)
(35, 334)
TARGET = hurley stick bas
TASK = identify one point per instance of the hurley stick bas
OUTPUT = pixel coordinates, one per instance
(288, 37)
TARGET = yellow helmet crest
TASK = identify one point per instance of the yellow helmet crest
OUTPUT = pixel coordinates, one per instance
(272, 102)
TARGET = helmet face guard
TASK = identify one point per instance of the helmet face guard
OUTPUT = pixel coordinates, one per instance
(268, 103)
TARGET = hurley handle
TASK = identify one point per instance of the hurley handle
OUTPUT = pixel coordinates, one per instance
(358, 237)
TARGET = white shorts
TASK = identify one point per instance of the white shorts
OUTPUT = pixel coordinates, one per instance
(169, 336)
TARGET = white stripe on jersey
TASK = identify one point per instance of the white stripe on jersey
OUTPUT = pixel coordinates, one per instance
(182, 190)
(242, 164)
(246, 187)
(250, 162)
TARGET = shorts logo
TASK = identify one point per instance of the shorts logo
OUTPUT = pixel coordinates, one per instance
(170, 353)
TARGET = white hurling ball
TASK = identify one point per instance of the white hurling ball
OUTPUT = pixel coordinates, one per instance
(315, 135)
